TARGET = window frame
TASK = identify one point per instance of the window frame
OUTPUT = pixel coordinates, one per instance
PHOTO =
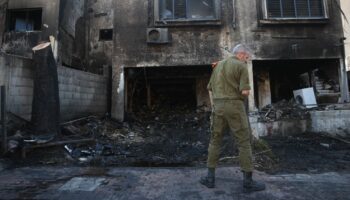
(10, 15)
(103, 39)
(267, 19)
(158, 22)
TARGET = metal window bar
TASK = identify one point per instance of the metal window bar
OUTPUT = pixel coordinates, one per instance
(281, 8)
(322, 7)
(309, 7)
(173, 11)
(3, 118)
(296, 10)
(187, 9)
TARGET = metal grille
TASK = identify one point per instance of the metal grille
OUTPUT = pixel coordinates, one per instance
(295, 8)
(180, 9)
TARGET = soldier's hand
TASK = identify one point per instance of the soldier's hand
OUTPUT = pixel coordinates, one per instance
(245, 92)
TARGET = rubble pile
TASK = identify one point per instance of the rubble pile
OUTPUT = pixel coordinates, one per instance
(282, 110)
(150, 138)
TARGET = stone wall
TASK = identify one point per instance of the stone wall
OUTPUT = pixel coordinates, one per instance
(81, 93)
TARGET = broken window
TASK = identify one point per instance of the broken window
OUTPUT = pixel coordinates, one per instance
(106, 34)
(294, 9)
(187, 9)
(24, 20)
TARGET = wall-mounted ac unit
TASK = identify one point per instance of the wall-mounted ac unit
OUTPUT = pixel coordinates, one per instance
(158, 36)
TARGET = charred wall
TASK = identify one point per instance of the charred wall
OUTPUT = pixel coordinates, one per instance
(50, 13)
(303, 39)
(195, 45)
(191, 45)
(20, 43)
(72, 33)
(201, 44)
(3, 8)
(99, 19)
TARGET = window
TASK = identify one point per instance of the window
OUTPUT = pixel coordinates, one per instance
(106, 34)
(187, 10)
(24, 20)
(295, 9)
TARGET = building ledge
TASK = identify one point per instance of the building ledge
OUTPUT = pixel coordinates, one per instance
(293, 21)
(176, 23)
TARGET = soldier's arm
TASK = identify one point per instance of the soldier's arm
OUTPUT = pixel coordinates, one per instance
(210, 93)
(244, 85)
(211, 98)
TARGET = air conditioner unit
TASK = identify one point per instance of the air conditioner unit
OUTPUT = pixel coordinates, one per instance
(158, 36)
(306, 97)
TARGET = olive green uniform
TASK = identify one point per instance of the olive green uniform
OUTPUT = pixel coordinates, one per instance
(227, 81)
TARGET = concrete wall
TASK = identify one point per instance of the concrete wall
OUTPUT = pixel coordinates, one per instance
(335, 122)
(20, 84)
(345, 5)
(81, 93)
(278, 128)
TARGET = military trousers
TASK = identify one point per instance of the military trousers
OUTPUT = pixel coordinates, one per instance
(230, 114)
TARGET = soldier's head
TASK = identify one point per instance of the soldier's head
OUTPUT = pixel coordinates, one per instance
(242, 52)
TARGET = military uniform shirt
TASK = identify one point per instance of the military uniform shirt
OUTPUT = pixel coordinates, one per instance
(229, 79)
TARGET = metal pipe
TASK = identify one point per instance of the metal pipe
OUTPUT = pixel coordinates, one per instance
(3, 118)
(343, 73)
(234, 22)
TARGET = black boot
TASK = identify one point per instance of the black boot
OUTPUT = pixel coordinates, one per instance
(249, 185)
(209, 180)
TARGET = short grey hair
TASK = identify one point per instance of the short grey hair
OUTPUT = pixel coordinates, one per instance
(241, 48)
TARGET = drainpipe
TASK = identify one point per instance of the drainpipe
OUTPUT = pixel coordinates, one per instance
(344, 77)
(3, 118)
(87, 31)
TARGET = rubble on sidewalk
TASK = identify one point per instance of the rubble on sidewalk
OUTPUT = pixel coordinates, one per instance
(179, 137)
(154, 137)
(282, 110)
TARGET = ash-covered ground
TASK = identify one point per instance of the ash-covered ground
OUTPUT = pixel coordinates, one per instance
(179, 137)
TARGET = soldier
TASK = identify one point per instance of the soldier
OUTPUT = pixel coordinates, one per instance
(228, 88)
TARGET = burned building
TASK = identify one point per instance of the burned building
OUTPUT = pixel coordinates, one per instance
(163, 49)
(82, 89)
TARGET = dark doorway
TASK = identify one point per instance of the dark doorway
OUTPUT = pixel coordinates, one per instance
(275, 80)
(165, 87)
